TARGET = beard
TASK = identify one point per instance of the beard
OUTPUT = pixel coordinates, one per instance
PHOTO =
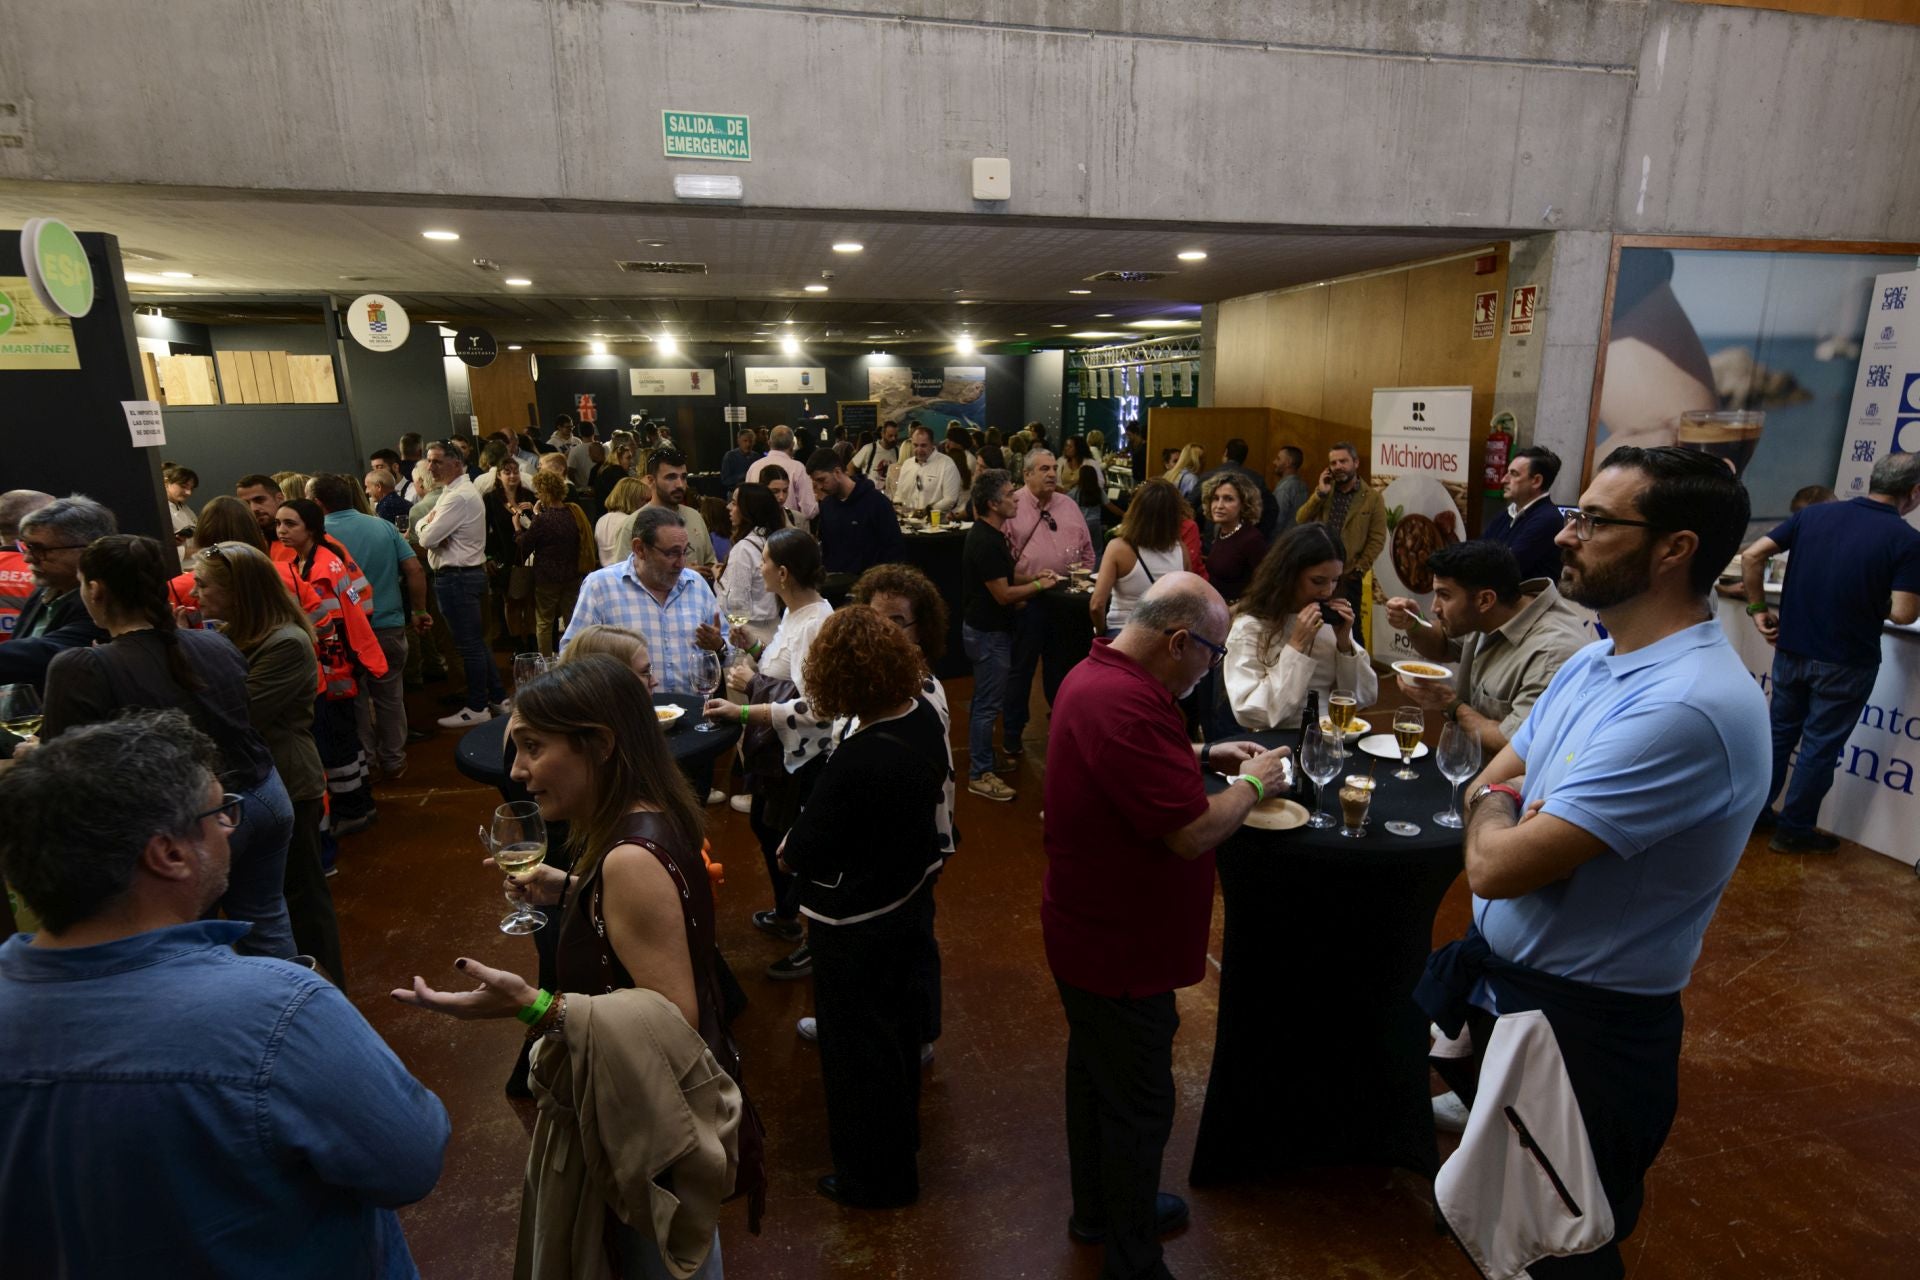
(1606, 585)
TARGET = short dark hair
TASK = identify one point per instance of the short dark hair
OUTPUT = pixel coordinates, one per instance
(1235, 450)
(411, 440)
(1479, 566)
(795, 551)
(1694, 492)
(562, 420)
(1293, 454)
(1346, 447)
(649, 521)
(825, 460)
(772, 471)
(1542, 461)
(332, 492)
(81, 809)
(384, 455)
(664, 458)
(263, 481)
(989, 487)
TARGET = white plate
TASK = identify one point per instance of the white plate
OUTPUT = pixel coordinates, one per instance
(668, 714)
(1383, 745)
(1276, 815)
(1359, 727)
(1404, 668)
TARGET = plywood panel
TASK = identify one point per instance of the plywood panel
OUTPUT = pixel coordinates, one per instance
(262, 373)
(244, 379)
(229, 376)
(1172, 428)
(1365, 320)
(282, 377)
(1296, 338)
(1439, 350)
(151, 374)
(1240, 355)
(188, 379)
(312, 378)
(502, 391)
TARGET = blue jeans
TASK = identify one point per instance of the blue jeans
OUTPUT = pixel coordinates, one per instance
(1815, 704)
(991, 653)
(257, 875)
(460, 592)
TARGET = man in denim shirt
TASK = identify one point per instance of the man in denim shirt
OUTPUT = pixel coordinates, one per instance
(168, 1107)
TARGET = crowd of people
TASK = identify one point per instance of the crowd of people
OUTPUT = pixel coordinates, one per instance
(219, 712)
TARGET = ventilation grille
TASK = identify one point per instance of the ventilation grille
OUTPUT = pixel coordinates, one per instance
(1128, 277)
(664, 268)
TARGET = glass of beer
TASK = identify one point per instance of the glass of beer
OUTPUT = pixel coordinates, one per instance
(518, 842)
(1356, 794)
(1342, 706)
(1728, 434)
(1409, 726)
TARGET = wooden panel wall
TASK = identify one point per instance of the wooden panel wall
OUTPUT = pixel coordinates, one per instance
(1171, 428)
(1316, 354)
(1907, 11)
(501, 393)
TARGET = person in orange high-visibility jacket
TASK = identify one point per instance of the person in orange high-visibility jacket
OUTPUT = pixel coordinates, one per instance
(346, 636)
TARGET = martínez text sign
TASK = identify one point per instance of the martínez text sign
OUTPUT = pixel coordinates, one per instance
(703, 135)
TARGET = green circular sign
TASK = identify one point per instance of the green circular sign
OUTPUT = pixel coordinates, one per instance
(64, 271)
(6, 313)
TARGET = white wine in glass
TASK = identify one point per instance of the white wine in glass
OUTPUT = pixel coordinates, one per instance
(519, 843)
(20, 710)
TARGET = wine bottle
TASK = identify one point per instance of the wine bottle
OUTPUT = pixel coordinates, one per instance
(1310, 714)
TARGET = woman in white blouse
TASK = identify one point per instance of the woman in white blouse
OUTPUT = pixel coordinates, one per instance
(1280, 646)
(742, 589)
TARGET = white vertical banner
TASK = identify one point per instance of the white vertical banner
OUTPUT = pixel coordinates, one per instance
(1420, 466)
(1885, 415)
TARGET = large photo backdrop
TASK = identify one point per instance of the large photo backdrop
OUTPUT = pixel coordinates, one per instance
(931, 396)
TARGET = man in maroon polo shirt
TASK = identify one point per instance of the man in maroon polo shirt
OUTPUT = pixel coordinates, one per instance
(1128, 897)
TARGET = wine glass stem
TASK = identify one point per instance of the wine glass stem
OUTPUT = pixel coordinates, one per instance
(1453, 803)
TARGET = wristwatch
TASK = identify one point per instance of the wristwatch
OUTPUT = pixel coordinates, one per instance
(1480, 792)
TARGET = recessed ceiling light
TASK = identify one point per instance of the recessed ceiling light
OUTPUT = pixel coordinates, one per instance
(1161, 324)
(790, 345)
(1077, 291)
(598, 348)
(1193, 255)
(967, 302)
(1056, 326)
(964, 344)
(178, 275)
(513, 346)
(816, 288)
(441, 235)
(786, 322)
(1103, 315)
(848, 246)
(518, 282)
(1019, 335)
(665, 344)
(1095, 334)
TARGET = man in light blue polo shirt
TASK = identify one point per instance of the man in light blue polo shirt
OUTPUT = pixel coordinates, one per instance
(387, 560)
(1639, 774)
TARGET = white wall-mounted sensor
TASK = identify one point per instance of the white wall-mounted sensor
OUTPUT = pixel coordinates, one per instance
(992, 178)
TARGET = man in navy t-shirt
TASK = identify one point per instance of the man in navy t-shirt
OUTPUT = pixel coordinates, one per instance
(1531, 521)
(1855, 565)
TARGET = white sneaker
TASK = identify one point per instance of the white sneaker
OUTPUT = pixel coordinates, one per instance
(465, 717)
(716, 796)
(742, 803)
(1449, 1113)
(809, 1029)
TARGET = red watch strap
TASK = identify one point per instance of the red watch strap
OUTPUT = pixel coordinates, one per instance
(1519, 801)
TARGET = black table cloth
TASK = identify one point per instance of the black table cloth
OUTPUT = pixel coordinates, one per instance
(481, 754)
(1069, 625)
(1320, 1055)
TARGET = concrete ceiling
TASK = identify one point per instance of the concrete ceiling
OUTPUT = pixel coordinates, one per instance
(915, 281)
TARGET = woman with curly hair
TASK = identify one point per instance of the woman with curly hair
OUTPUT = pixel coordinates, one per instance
(864, 851)
(1293, 633)
(1232, 502)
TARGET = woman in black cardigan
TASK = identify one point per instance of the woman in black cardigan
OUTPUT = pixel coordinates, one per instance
(865, 851)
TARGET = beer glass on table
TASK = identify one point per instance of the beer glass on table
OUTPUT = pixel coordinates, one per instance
(1342, 707)
(1409, 726)
(518, 843)
(1459, 759)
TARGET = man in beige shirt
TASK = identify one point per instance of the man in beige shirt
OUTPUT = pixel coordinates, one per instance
(1508, 636)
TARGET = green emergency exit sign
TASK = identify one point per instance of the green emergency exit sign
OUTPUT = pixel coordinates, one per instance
(704, 135)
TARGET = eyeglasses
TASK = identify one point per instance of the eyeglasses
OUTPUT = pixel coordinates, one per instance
(34, 551)
(1219, 651)
(1583, 523)
(227, 812)
(669, 553)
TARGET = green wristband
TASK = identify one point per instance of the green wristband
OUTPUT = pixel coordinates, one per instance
(1758, 607)
(744, 709)
(532, 1013)
(1259, 792)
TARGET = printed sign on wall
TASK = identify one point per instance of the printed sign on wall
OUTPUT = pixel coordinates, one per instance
(1421, 437)
(786, 382)
(670, 382)
(1526, 301)
(1486, 315)
(377, 322)
(1885, 416)
(31, 336)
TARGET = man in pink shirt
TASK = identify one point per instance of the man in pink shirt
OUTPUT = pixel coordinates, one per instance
(800, 497)
(1047, 532)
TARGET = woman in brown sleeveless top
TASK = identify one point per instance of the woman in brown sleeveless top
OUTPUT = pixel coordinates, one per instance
(637, 909)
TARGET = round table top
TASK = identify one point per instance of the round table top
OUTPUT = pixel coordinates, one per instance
(946, 530)
(481, 754)
(1393, 799)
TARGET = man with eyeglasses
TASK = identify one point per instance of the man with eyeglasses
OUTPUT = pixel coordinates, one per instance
(653, 592)
(16, 575)
(53, 618)
(193, 1111)
(1601, 837)
(1128, 899)
(454, 534)
(1047, 532)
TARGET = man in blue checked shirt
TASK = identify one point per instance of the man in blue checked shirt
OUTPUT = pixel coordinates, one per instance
(653, 592)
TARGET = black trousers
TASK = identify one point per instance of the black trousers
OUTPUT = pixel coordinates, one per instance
(316, 932)
(869, 993)
(1119, 1115)
(1033, 647)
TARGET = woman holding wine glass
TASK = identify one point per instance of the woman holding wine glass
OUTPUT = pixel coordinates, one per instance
(635, 912)
(752, 609)
(783, 740)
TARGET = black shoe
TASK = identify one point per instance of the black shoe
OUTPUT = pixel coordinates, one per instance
(1016, 749)
(353, 826)
(830, 1187)
(783, 929)
(1803, 842)
(795, 967)
(1170, 1213)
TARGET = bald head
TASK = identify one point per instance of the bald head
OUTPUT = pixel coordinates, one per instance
(15, 506)
(1177, 631)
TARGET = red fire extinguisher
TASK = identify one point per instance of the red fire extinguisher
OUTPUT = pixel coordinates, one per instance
(1499, 451)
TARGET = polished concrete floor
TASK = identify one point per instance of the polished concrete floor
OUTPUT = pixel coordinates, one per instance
(1794, 1153)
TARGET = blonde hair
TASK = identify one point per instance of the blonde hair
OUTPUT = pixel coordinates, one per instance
(292, 484)
(259, 602)
(622, 643)
(1189, 460)
(551, 488)
(627, 497)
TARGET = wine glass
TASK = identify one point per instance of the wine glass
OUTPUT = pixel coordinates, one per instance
(707, 670)
(1409, 726)
(1321, 758)
(518, 843)
(20, 710)
(1459, 759)
(527, 666)
(737, 630)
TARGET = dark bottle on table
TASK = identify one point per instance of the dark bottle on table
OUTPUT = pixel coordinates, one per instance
(1309, 715)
